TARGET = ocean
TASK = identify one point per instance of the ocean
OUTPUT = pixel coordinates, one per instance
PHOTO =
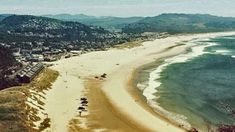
(196, 88)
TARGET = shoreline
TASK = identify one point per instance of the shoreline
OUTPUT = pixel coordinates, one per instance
(154, 106)
(120, 66)
(137, 92)
(142, 101)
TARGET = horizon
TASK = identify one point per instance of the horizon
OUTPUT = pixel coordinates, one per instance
(46, 15)
(121, 8)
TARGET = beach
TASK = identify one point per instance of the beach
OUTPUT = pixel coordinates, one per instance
(115, 104)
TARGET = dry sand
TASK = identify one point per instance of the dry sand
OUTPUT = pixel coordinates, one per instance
(114, 104)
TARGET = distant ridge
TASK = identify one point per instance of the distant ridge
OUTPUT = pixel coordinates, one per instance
(107, 22)
(3, 16)
(182, 23)
(168, 22)
(69, 17)
(171, 22)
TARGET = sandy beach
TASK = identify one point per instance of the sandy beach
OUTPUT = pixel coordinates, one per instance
(114, 103)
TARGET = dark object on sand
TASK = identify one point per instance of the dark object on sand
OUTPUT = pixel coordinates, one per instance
(84, 102)
(104, 75)
(84, 105)
(193, 130)
(81, 108)
(82, 99)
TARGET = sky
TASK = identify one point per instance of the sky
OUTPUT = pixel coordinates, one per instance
(123, 8)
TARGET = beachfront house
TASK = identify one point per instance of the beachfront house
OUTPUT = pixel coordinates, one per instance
(29, 72)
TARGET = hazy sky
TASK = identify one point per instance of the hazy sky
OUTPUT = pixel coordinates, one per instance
(118, 7)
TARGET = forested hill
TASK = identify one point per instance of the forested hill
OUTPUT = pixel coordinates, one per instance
(27, 28)
(23, 23)
(182, 23)
(3, 16)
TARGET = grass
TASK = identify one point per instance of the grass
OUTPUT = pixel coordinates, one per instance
(15, 114)
(43, 82)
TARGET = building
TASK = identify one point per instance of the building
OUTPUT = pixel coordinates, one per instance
(29, 72)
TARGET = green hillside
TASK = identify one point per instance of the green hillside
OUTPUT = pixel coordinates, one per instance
(182, 23)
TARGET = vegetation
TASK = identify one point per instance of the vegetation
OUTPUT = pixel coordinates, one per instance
(3, 16)
(43, 82)
(182, 23)
(6, 58)
(45, 124)
(59, 29)
(57, 33)
(7, 62)
(15, 114)
(13, 110)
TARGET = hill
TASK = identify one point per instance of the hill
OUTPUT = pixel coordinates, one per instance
(26, 28)
(23, 23)
(108, 23)
(69, 17)
(182, 23)
(3, 16)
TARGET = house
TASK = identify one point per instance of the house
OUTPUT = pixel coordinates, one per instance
(29, 72)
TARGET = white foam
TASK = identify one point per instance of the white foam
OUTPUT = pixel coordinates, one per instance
(222, 51)
(154, 83)
(228, 37)
(141, 86)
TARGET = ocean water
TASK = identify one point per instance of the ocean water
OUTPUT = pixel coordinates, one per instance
(196, 88)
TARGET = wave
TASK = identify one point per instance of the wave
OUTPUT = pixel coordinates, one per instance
(153, 83)
(223, 52)
(228, 37)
